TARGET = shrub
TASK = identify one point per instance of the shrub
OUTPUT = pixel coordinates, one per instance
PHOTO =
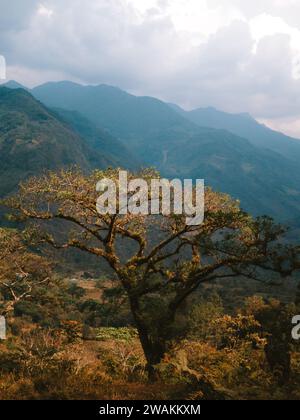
(118, 334)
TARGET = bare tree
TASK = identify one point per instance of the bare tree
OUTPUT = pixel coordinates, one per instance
(21, 272)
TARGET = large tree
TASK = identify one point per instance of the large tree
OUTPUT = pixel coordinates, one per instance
(160, 261)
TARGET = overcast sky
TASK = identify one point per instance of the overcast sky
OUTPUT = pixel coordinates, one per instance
(236, 55)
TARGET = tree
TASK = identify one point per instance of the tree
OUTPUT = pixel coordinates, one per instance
(275, 320)
(22, 271)
(159, 260)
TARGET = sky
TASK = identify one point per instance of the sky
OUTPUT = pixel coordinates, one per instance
(235, 55)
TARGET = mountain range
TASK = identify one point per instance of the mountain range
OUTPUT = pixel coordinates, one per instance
(244, 125)
(34, 138)
(109, 127)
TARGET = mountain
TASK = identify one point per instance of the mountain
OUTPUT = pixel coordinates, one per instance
(244, 125)
(98, 139)
(263, 178)
(12, 84)
(124, 115)
(33, 139)
(264, 181)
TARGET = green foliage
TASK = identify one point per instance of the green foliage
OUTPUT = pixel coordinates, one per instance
(202, 316)
(118, 334)
(76, 291)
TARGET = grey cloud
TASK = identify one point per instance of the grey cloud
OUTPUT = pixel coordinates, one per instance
(225, 73)
(15, 14)
(103, 41)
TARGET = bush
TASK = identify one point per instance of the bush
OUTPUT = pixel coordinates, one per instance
(117, 334)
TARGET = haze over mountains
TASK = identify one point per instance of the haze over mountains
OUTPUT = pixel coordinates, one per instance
(244, 125)
(233, 153)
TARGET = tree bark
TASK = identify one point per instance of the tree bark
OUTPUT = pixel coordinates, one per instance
(154, 347)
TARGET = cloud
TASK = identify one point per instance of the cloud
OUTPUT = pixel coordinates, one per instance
(289, 125)
(15, 15)
(234, 55)
(288, 10)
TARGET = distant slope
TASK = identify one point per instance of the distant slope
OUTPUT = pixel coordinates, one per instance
(12, 84)
(32, 139)
(124, 115)
(244, 125)
(264, 180)
(99, 140)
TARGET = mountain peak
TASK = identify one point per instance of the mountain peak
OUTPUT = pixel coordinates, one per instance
(12, 84)
(246, 115)
(61, 84)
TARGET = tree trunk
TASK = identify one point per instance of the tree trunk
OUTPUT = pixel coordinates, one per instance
(279, 359)
(154, 355)
(154, 347)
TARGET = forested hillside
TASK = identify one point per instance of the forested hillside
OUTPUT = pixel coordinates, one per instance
(34, 139)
